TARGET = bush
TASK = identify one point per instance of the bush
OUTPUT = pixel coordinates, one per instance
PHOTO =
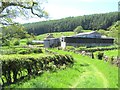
(6, 43)
(37, 50)
(13, 66)
(29, 42)
(68, 48)
(78, 29)
(16, 43)
(30, 50)
(24, 51)
(100, 55)
(20, 51)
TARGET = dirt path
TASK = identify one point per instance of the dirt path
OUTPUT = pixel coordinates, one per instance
(85, 76)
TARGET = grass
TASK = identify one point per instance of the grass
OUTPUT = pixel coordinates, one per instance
(85, 73)
(43, 36)
(23, 42)
(110, 72)
(111, 53)
(55, 34)
(59, 34)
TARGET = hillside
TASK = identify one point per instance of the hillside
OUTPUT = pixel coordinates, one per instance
(59, 34)
(112, 31)
(88, 22)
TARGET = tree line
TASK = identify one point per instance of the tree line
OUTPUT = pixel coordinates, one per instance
(88, 22)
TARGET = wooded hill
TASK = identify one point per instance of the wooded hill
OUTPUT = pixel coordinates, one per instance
(112, 31)
(88, 22)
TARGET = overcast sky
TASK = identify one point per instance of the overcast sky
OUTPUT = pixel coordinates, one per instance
(65, 8)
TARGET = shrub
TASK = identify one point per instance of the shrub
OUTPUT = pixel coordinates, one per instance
(70, 48)
(6, 43)
(37, 50)
(100, 55)
(16, 43)
(78, 29)
(25, 51)
(29, 50)
(12, 66)
(29, 42)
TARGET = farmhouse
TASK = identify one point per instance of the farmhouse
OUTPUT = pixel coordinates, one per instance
(86, 39)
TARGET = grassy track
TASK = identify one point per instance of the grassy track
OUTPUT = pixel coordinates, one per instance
(90, 79)
(86, 73)
(106, 74)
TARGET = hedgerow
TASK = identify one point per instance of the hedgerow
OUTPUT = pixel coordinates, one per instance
(9, 51)
(13, 67)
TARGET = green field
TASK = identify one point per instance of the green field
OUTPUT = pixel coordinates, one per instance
(55, 34)
(85, 73)
(59, 34)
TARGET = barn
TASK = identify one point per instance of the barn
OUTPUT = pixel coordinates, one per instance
(86, 39)
(92, 34)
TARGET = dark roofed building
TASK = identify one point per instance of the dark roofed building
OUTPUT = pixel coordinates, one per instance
(92, 34)
(86, 39)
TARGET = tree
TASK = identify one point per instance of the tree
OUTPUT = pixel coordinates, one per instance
(12, 32)
(78, 29)
(13, 8)
(114, 31)
(88, 22)
(103, 32)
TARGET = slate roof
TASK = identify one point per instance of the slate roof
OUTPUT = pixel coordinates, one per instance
(86, 33)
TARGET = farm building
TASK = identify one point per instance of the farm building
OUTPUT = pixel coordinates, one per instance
(82, 39)
(37, 42)
(86, 39)
(92, 34)
(51, 42)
